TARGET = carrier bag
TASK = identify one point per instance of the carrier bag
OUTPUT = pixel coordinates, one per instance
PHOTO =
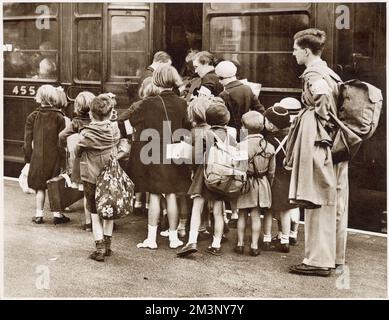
(23, 183)
(61, 194)
(114, 191)
(225, 168)
(360, 105)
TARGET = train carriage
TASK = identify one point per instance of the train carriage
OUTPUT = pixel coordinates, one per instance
(103, 47)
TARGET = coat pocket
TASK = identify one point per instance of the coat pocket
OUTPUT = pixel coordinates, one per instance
(84, 171)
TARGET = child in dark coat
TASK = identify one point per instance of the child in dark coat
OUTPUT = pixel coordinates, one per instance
(41, 148)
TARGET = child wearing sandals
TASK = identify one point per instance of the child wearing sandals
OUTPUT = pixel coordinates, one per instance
(98, 140)
(260, 173)
(82, 119)
(41, 148)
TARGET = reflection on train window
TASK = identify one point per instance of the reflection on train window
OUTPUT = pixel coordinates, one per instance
(242, 6)
(34, 52)
(28, 9)
(128, 46)
(89, 8)
(89, 50)
(269, 39)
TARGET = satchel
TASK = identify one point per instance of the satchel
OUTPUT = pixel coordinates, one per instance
(61, 194)
(114, 192)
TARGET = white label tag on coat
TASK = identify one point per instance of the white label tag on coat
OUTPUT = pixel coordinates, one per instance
(128, 127)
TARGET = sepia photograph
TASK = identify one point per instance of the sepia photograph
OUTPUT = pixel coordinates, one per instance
(194, 150)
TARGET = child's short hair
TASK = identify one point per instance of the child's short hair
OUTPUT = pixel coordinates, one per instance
(82, 103)
(60, 101)
(46, 95)
(253, 121)
(147, 88)
(312, 38)
(204, 57)
(101, 106)
(166, 76)
(197, 108)
(162, 56)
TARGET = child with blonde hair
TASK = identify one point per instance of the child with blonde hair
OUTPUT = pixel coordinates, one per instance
(69, 137)
(196, 115)
(41, 148)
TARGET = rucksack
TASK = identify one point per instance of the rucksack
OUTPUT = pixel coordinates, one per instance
(359, 104)
(359, 107)
(224, 172)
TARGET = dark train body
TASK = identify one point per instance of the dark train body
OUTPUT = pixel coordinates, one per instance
(103, 47)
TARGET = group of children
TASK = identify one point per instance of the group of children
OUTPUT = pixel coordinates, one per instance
(96, 134)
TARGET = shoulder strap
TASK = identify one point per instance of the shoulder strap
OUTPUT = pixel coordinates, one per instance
(281, 145)
(167, 118)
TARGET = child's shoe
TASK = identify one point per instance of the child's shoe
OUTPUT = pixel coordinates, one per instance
(214, 251)
(293, 241)
(188, 249)
(61, 220)
(38, 220)
(174, 244)
(254, 252)
(165, 233)
(148, 244)
(98, 255)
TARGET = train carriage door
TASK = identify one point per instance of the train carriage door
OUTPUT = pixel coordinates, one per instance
(126, 50)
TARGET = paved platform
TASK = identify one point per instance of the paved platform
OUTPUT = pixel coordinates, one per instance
(47, 261)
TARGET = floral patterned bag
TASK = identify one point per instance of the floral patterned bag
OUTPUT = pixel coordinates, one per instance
(114, 192)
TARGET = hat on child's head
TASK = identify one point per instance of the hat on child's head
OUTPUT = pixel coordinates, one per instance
(291, 104)
(225, 69)
(253, 121)
(278, 116)
(217, 113)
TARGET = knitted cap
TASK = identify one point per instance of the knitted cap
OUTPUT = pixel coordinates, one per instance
(278, 116)
(225, 69)
(253, 121)
(217, 114)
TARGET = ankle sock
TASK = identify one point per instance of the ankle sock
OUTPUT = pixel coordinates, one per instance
(38, 213)
(285, 239)
(57, 214)
(267, 238)
(193, 236)
(152, 233)
(173, 235)
(138, 204)
(216, 242)
(234, 216)
(293, 234)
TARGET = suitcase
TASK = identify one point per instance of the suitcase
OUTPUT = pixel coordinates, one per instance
(61, 194)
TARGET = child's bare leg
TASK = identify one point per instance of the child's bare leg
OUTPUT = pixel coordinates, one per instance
(295, 220)
(255, 227)
(40, 202)
(285, 225)
(241, 227)
(172, 213)
(153, 216)
(195, 221)
(97, 227)
(183, 215)
(219, 223)
(88, 218)
(267, 223)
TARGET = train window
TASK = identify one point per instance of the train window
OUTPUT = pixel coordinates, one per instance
(89, 8)
(34, 51)
(262, 45)
(89, 50)
(128, 46)
(240, 6)
(28, 9)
